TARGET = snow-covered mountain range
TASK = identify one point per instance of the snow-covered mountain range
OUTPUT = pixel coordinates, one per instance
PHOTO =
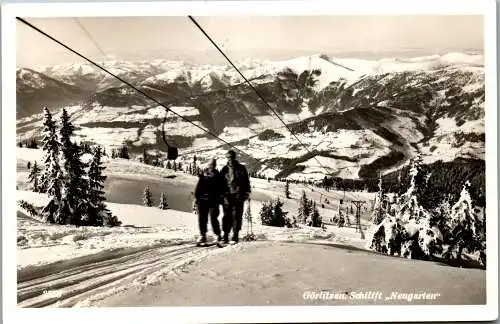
(357, 117)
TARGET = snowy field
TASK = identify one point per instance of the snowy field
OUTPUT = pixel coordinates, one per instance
(152, 242)
(65, 266)
(280, 273)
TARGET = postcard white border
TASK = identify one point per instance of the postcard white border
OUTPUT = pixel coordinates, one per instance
(12, 314)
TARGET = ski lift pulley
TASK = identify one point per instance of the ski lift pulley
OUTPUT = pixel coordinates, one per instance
(172, 151)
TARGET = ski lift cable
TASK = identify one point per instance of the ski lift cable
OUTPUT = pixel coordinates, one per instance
(89, 36)
(254, 89)
(87, 33)
(129, 84)
(140, 91)
(168, 108)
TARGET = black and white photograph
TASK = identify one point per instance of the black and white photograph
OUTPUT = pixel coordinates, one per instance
(285, 160)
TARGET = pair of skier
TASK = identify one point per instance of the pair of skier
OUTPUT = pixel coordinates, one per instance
(229, 187)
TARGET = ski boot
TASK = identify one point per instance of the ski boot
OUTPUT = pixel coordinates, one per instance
(202, 241)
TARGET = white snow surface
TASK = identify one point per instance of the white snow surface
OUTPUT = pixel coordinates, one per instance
(41, 243)
(159, 236)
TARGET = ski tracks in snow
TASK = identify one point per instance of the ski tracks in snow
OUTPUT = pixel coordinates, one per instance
(81, 281)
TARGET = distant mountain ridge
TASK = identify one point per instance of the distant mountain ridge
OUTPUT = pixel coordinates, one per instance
(360, 117)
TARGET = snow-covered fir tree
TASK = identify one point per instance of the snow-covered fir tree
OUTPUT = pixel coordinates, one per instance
(51, 178)
(380, 207)
(32, 144)
(33, 177)
(272, 214)
(407, 229)
(75, 185)
(304, 208)
(467, 226)
(147, 198)
(316, 220)
(266, 213)
(97, 212)
(163, 201)
(123, 152)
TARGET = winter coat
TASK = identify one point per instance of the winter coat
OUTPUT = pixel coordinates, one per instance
(210, 187)
(237, 182)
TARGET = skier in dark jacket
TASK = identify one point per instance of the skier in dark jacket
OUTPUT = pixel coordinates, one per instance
(208, 197)
(236, 191)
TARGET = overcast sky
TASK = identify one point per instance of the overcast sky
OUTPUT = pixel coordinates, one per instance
(142, 38)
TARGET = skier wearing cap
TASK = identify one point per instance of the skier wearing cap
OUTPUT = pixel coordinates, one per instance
(236, 191)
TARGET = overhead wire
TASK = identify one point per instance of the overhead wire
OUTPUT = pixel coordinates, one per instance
(129, 84)
(254, 89)
(89, 36)
(144, 93)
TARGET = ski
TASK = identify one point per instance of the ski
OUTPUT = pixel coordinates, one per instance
(207, 244)
(222, 244)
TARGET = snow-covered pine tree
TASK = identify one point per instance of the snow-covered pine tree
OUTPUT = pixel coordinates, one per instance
(145, 157)
(287, 190)
(32, 144)
(310, 208)
(316, 220)
(467, 226)
(407, 228)
(174, 167)
(123, 152)
(272, 214)
(440, 216)
(163, 201)
(33, 177)
(304, 208)
(379, 208)
(147, 198)
(52, 177)
(266, 213)
(279, 216)
(409, 207)
(75, 185)
(98, 214)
